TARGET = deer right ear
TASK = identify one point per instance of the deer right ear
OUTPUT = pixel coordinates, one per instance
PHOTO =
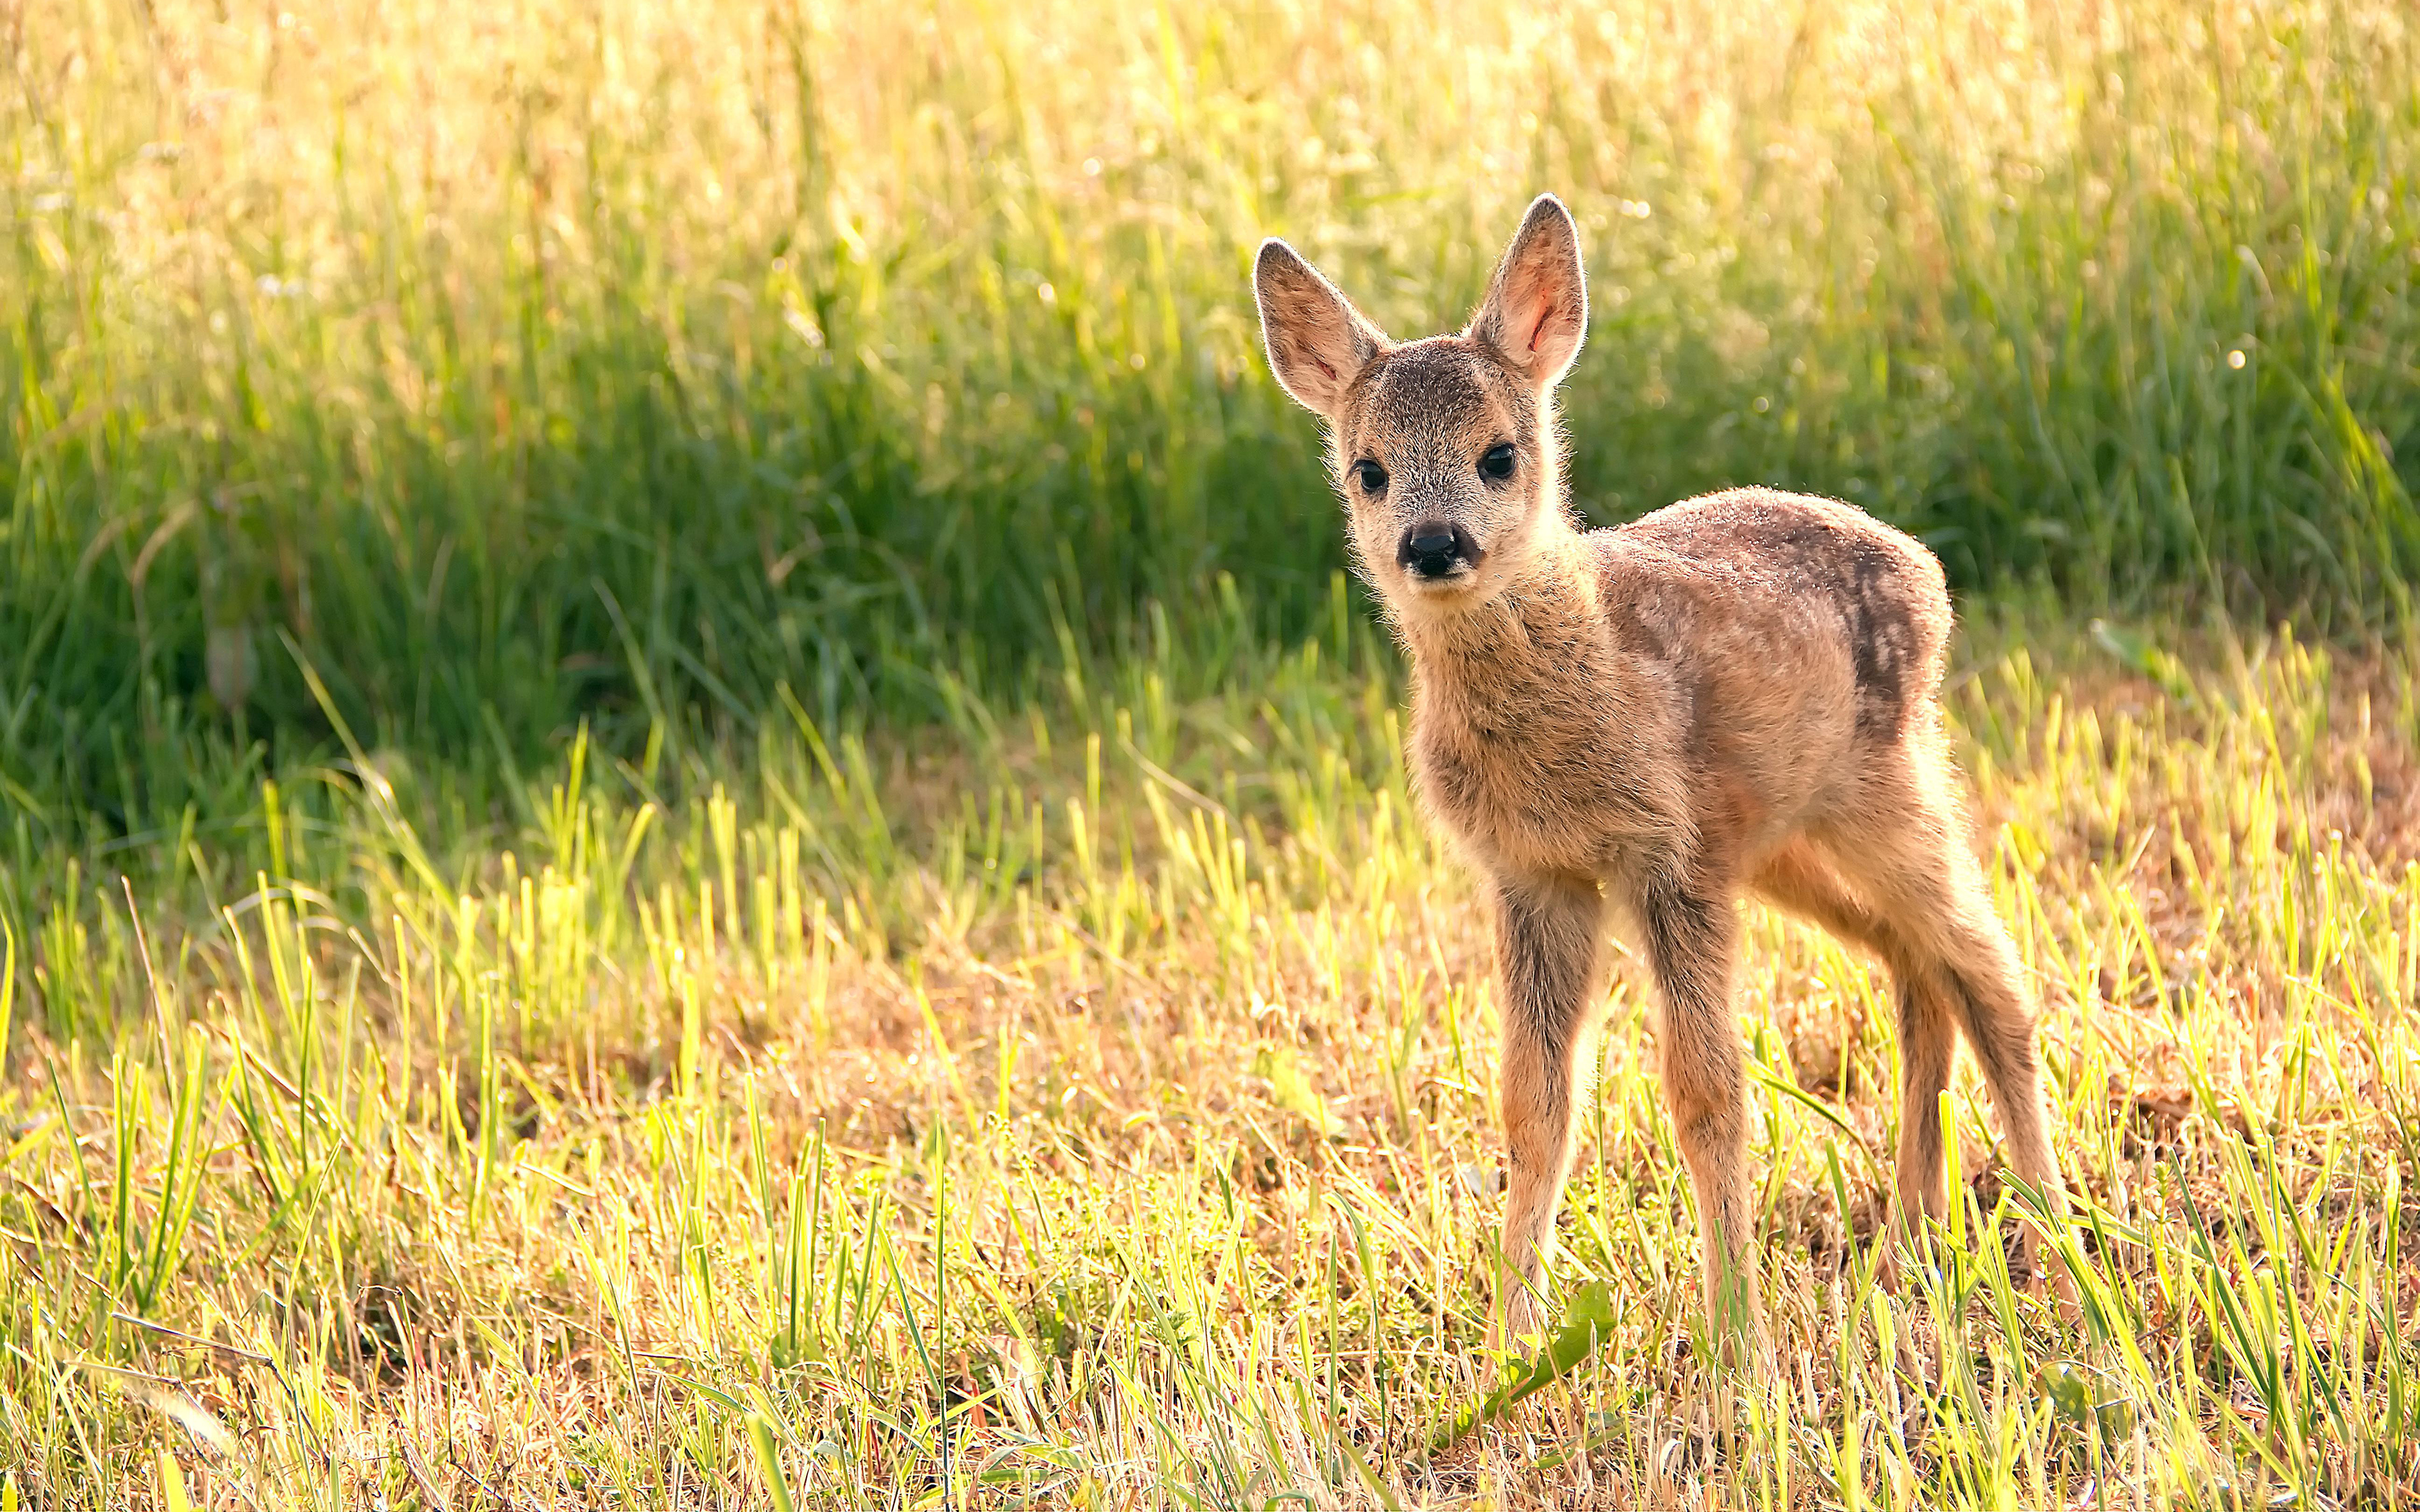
(1317, 342)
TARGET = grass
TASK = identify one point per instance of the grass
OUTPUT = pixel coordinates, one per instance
(1089, 1106)
(691, 811)
(678, 351)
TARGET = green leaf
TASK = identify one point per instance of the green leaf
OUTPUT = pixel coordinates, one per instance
(2143, 654)
(1587, 1322)
(1292, 1091)
(769, 1458)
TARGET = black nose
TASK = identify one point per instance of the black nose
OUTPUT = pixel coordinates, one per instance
(1433, 550)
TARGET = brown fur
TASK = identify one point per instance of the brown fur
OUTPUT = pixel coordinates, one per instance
(1735, 694)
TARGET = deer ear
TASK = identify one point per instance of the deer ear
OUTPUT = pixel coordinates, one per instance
(1317, 342)
(1535, 315)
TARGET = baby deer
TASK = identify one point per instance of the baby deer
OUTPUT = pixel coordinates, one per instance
(1739, 692)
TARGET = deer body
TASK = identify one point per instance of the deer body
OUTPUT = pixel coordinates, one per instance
(1665, 683)
(1737, 694)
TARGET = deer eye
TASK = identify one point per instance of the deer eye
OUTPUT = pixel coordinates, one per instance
(1497, 461)
(1370, 475)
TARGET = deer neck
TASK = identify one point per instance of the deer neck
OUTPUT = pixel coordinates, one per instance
(1522, 652)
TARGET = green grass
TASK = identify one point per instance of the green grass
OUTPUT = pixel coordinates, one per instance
(674, 352)
(692, 812)
(1091, 1106)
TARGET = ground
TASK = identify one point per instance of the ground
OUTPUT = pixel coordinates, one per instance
(1093, 1108)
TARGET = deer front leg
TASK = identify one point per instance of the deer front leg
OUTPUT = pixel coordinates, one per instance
(1549, 939)
(1691, 932)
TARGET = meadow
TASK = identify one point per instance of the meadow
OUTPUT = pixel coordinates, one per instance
(695, 811)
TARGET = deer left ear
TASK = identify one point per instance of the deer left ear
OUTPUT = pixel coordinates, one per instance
(1535, 315)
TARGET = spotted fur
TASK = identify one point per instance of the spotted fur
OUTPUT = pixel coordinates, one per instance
(1737, 694)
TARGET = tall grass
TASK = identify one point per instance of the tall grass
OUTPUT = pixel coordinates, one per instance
(532, 365)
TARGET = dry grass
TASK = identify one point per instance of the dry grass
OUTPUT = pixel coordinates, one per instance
(1099, 1115)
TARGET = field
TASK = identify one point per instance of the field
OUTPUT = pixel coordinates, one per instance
(1119, 1133)
(693, 811)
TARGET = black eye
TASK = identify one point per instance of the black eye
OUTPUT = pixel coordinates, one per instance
(1497, 462)
(1370, 475)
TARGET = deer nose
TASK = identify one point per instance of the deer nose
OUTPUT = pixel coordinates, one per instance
(1434, 550)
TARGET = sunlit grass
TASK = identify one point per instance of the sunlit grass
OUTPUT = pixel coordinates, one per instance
(1091, 1106)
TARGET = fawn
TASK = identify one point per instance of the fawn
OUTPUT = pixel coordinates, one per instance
(1736, 692)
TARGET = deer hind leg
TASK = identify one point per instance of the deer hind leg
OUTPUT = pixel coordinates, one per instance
(1550, 939)
(1960, 969)
(1691, 932)
(1803, 879)
(1928, 1039)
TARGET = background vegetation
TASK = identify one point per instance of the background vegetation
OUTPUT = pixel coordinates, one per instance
(692, 812)
(539, 362)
